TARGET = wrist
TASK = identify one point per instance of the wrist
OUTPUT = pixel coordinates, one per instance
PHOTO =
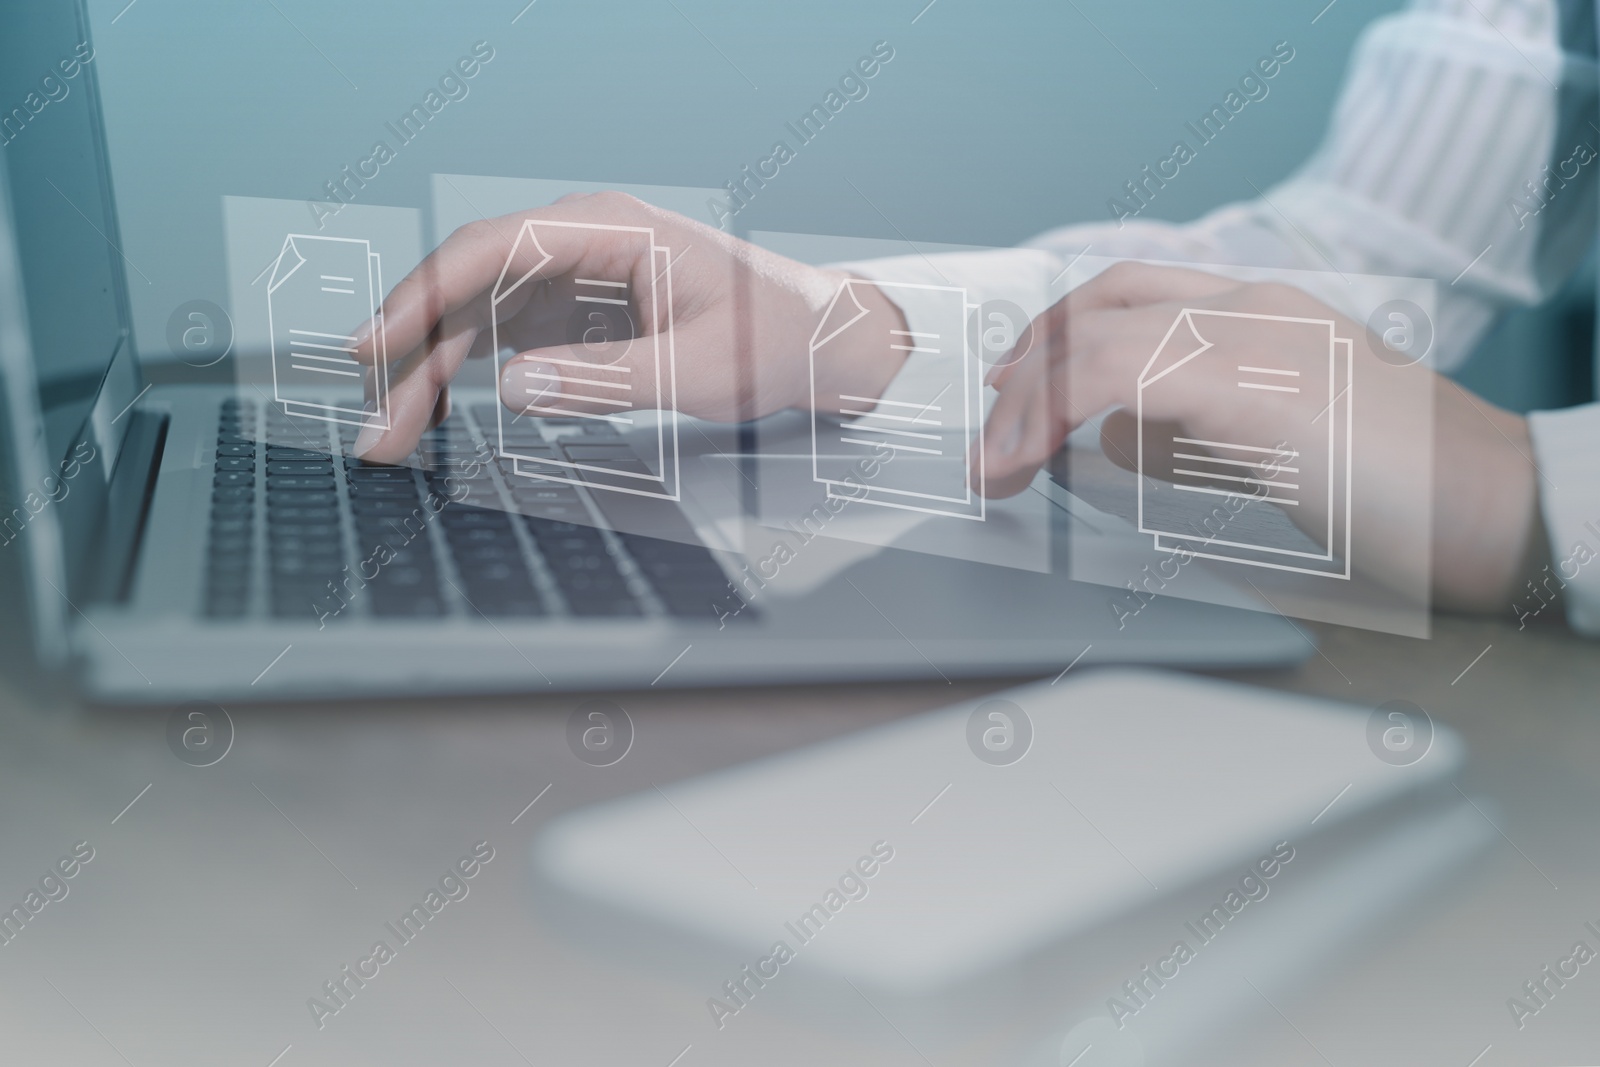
(1488, 532)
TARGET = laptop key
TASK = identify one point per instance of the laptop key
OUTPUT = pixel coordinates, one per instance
(298, 515)
(383, 490)
(538, 491)
(286, 454)
(367, 475)
(369, 507)
(473, 536)
(301, 482)
(566, 513)
(587, 543)
(479, 556)
(320, 530)
(459, 517)
(297, 573)
(305, 550)
(284, 498)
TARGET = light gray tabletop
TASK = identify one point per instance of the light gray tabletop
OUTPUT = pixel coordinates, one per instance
(220, 899)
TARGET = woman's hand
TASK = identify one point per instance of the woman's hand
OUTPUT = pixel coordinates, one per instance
(742, 319)
(1089, 349)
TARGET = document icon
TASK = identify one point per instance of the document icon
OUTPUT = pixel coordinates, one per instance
(1205, 497)
(623, 366)
(322, 288)
(930, 441)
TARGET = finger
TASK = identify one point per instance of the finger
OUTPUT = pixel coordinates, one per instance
(414, 397)
(447, 281)
(467, 266)
(441, 409)
(615, 377)
(1091, 363)
(1031, 417)
(1104, 352)
(1119, 439)
(1031, 336)
(566, 381)
(1122, 285)
(1110, 350)
(1042, 338)
(1017, 434)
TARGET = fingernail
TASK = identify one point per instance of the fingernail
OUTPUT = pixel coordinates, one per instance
(524, 383)
(363, 332)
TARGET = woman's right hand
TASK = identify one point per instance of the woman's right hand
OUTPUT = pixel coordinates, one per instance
(742, 319)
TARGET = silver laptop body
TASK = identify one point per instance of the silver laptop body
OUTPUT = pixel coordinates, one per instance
(143, 568)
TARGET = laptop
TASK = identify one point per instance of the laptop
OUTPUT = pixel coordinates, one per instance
(170, 541)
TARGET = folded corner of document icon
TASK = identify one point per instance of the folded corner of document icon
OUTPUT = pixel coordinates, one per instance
(921, 449)
(619, 379)
(1230, 495)
(320, 289)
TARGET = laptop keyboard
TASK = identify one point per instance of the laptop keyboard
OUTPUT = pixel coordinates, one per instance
(302, 530)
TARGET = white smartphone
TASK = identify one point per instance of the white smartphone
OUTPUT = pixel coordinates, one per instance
(916, 855)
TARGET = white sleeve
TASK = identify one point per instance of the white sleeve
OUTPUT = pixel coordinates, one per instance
(1566, 446)
(1453, 153)
(1461, 149)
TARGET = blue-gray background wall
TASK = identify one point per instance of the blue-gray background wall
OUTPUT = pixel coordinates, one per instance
(994, 120)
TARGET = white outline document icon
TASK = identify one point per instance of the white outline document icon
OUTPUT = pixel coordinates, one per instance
(1311, 472)
(321, 288)
(935, 438)
(606, 380)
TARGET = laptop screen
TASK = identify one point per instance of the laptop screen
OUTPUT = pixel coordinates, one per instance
(52, 147)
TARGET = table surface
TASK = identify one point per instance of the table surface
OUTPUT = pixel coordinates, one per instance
(219, 899)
